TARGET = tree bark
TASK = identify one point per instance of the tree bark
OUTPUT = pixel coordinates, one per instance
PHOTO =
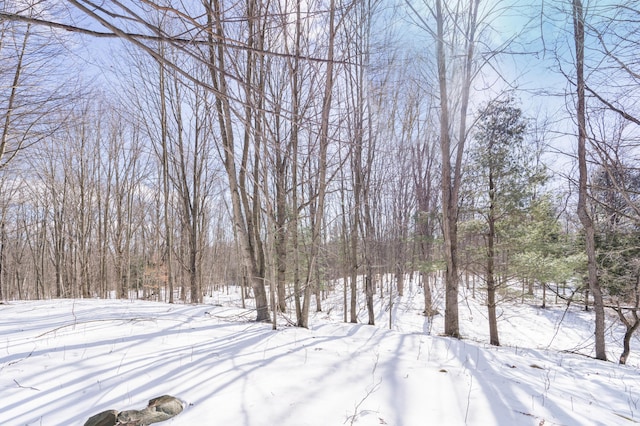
(491, 282)
(631, 328)
(583, 212)
(223, 112)
(3, 239)
(318, 214)
(168, 239)
(449, 201)
(295, 127)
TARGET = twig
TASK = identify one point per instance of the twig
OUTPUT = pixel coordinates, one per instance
(370, 391)
(559, 323)
(25, 387)
(18, 360)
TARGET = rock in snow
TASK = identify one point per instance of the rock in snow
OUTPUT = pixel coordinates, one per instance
(158, 410)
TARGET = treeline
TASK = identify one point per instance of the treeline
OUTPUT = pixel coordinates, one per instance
(279, 146)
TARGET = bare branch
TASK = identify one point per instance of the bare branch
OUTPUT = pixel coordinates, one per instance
(119, 33)
(613, 108)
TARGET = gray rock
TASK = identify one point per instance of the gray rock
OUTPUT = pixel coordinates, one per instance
(131, 417)
(159, 409)
(106, 418)
(166, 404)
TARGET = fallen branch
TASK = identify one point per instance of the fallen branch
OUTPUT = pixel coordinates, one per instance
(18, 360)
(25, 387)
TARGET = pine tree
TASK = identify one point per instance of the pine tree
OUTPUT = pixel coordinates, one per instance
(505, 176)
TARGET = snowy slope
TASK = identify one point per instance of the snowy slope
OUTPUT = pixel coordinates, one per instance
(62, 361)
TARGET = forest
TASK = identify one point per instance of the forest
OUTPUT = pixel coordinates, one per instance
(161, 150)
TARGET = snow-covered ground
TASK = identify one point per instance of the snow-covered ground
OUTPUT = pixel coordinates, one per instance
(62, 361)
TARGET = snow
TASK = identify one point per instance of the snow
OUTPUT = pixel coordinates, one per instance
(62, 361)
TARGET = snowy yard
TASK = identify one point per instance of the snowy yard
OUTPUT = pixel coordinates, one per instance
(62, 361)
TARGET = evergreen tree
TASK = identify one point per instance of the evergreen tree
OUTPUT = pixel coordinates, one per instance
(544, 254)
(505, 176)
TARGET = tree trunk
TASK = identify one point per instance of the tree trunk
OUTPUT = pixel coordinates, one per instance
(491, 283)
(318, 291)
(452, 174)
(2, 259)
(631, 328)
(369, 232)
(318, 214)
(399, 281)
(583, 212)
(281, 232)
(369, 297)
(449, 200)
(295, 127)
(168, 239)
(345, 244)
(429, 310)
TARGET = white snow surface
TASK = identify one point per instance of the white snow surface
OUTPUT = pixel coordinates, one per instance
(62, 361)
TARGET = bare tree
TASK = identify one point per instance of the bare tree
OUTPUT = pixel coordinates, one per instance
(31, 96)
(424, 170)
(164, 158)
(360, 139)
(455, 39)
(318, 202)
(583, 210)
(223, 109)
(296, 109)
(614, 184)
